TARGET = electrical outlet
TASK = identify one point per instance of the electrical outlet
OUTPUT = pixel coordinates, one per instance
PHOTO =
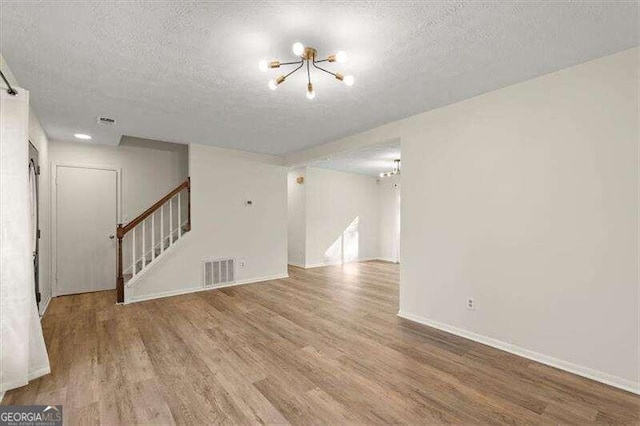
(242, 263)
(471, 304)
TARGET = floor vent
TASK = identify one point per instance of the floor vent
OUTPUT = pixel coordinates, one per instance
(217, 272)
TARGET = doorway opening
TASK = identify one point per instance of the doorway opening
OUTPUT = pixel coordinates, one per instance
(34, 207)
(346, 208)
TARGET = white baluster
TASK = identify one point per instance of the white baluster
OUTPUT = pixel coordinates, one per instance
(153, 236)
(144, 245)
(170, 221)
(133, 253)
(179, 218)
(162, 228)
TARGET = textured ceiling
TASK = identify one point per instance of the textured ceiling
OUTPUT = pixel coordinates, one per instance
(187, 71)
(371, 160)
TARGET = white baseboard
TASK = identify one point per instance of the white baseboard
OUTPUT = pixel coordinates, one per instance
(197, 289)
(387, 259)
(580, 370)
(43, 309)
(42, 371)
(317, 265)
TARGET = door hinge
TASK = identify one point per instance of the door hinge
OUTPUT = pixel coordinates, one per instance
(38, 233)
(37, 170)
(38, 297)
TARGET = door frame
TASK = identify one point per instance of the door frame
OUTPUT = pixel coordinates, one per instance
(36, 258)
(54, 210)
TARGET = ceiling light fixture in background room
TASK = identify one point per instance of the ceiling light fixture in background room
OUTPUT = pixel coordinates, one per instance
(82, 136)
(395, 171)
(307, 57)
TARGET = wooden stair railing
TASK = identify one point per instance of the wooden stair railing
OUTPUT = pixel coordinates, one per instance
(122, 230)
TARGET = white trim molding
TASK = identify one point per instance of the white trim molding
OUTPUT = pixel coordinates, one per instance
(43, 309)
(134, 299)
(580, 370)
(337, 262)
(387, 259)
(32, 376)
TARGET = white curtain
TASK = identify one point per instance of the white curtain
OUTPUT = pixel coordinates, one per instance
(23, 355)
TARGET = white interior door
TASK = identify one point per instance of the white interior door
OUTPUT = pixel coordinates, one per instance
(86, 216)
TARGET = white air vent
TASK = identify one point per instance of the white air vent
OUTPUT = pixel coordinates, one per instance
(217, 272)
(106, 121)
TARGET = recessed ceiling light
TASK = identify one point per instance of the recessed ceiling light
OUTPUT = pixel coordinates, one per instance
(82, 136)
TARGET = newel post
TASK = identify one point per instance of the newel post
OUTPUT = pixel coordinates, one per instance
(120, 279)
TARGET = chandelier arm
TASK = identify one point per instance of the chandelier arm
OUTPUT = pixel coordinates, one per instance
(322, 69)
(321, 60)
(308, 73)
(301, 64)
(292, 63)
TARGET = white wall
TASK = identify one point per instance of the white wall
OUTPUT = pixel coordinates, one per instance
(150, 169)
(39, 139)
(296, 217)
(389, 218)
(526, 199)
(341, 217)
(223, 226)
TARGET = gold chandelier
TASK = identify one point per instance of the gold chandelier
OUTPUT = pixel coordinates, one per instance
(307, 56)
(395, 171)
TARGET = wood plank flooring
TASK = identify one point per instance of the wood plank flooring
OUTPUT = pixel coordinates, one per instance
(322, 347)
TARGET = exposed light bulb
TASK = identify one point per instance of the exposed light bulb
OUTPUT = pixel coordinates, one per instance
(273, 85)
(341, 56)
(349, 80)
(310, 92)
(263, 66)
(381, 174)
(298, 48)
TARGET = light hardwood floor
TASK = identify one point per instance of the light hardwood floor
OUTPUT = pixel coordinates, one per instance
(324, 346)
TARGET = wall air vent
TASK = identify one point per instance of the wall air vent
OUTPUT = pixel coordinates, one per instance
(106, 121)
(218, 272)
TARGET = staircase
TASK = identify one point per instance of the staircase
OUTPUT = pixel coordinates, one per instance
(149, 237)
